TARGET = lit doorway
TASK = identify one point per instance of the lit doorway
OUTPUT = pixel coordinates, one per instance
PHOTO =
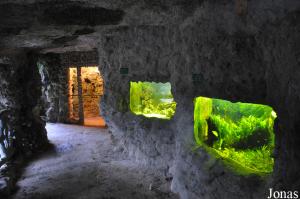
(85, 92)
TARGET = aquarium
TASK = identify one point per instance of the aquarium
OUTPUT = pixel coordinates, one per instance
(152, 99)
(241, 134)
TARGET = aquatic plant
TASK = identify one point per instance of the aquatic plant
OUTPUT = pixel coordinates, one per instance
(239, 133)
(152, 99)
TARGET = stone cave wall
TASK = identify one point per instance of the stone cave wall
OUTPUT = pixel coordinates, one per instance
(73, 92)
(239, 50)
(56, 82)
(92, 90)
(20, 94)
(248, 57)
(55, 87)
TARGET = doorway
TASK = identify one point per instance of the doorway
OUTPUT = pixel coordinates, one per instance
(85, 92)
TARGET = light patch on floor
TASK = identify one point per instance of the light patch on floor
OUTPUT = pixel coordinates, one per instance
(95, 122)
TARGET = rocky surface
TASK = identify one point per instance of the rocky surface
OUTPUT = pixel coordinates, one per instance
(92, 90)
(83, 164)
(20, 95)
(238, 50)
(20, 90)
(54, 71)
(234, 57)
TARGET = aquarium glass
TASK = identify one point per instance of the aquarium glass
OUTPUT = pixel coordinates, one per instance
(152, 99)
(241, 134)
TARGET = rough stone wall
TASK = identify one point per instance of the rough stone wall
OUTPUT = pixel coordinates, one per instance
(55, 87)
(79, 58)
(56, 84)
(92, 89)
(73, 92)
(236, 57)
(240, 50)
(281, 54)
(21, 112)
(20, 93)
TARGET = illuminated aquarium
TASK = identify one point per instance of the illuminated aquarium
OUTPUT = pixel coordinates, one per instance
(152, 99)
(241, 134)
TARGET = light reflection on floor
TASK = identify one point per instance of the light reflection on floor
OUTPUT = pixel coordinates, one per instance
(95, 122)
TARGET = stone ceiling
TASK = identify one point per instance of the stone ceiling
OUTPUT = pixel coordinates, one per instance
(75, 25)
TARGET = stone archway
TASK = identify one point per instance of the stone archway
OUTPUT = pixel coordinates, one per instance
(85, 92)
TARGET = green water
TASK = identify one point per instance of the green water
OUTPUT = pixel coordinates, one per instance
(152, 99)
(241, 134)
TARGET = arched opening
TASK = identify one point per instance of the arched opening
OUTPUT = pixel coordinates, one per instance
(85, 91)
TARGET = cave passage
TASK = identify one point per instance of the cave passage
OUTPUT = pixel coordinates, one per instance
(85, 91)
(82, 164)
(100, 99)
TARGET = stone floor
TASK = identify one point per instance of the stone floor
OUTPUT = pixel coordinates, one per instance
(83, 164)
